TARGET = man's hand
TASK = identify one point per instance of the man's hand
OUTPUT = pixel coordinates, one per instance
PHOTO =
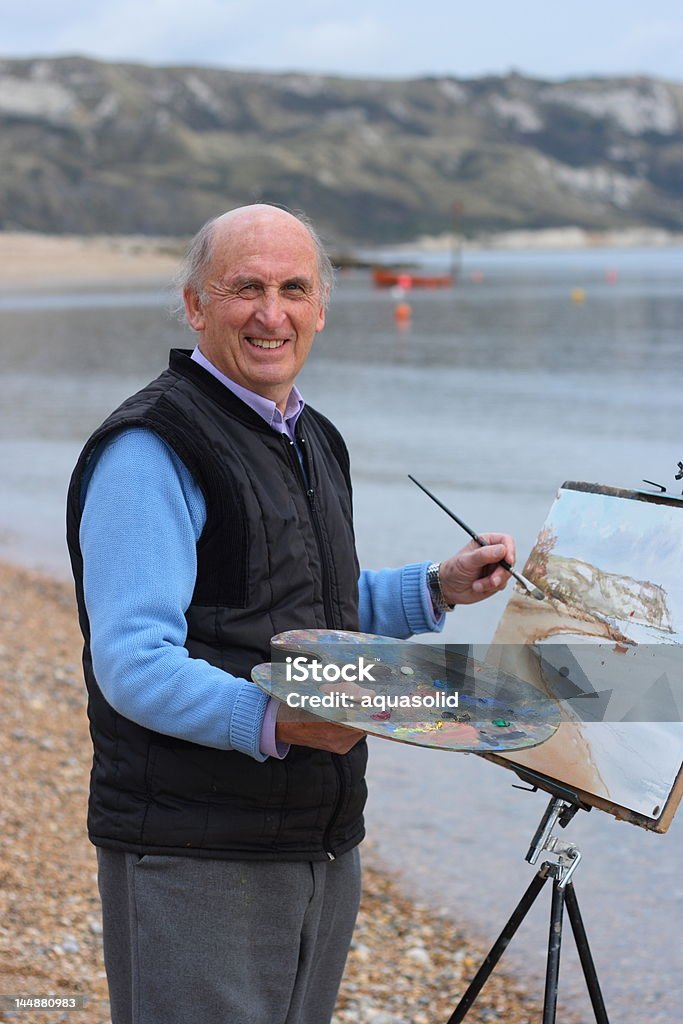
(473, 573)
(305, 730)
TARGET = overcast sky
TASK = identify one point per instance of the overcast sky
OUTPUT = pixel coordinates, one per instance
(388, 38)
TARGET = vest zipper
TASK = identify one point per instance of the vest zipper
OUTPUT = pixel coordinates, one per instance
(337, 809)
(315, 519)
(327, 605)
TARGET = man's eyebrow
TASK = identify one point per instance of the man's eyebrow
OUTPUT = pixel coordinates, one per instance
(305, 282)
(240, 280)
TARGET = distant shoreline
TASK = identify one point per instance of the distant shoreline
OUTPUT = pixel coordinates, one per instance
(543, 239)
(30, 259)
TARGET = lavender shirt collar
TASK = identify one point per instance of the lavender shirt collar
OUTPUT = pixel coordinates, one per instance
(266, 409)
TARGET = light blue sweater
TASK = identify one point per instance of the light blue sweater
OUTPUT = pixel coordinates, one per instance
(143, 514)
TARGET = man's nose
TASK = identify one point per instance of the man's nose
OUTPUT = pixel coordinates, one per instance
(270, 310)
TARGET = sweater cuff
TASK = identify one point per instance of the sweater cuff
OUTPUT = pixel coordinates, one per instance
(246, 721)
(269, 744)
(417, 603)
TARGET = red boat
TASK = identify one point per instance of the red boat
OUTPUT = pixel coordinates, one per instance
(386, 277)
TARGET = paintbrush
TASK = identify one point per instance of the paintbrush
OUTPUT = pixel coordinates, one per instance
(530, 589)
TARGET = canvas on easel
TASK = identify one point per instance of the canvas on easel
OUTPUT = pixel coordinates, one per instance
(608, 636)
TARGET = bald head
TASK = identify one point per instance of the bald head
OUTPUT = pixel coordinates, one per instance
(258, 216)
(256, 223)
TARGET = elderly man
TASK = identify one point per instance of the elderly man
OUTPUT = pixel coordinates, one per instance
(209, 512)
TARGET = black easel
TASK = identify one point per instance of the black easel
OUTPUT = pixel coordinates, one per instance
(560, 811)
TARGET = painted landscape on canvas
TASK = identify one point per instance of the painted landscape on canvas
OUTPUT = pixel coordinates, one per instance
(608, 642)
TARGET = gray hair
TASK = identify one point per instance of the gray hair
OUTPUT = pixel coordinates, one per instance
(195, 265)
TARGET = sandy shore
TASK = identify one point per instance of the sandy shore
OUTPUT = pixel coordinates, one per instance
(407, 964)
(30, 260)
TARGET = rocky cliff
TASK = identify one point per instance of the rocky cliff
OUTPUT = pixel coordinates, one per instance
(92, 147)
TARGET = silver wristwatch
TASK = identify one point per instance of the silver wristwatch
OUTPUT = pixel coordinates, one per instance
(435, 592)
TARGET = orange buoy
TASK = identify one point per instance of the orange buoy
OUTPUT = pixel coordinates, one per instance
(402, 312)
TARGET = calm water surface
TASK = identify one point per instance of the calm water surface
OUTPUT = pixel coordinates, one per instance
(498, 392)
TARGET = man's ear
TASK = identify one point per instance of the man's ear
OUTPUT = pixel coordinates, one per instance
(194, 311)
(321, 315)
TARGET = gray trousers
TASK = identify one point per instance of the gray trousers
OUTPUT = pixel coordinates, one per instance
(225, 942)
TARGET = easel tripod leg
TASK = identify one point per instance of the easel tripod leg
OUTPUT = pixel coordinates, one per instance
(581, 939)
(554, 946)
(498, 948)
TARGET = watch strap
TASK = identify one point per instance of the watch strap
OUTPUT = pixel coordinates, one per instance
(435, 592)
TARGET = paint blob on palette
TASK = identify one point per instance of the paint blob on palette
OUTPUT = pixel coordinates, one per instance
(425, 694)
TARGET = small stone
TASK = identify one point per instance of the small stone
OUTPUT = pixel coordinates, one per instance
(419, 955)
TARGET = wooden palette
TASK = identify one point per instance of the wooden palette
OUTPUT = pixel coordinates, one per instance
(411, 698)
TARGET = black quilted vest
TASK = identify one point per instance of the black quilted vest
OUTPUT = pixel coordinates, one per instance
(276, 553)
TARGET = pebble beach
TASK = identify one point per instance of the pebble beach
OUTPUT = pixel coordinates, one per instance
(408, 963)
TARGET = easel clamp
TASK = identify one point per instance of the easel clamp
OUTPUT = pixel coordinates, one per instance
(560, 812)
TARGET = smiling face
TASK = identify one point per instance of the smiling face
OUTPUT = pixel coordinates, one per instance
(261, 304)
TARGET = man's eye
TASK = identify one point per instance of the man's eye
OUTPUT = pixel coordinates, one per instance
(250, 288)
(294, 286)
